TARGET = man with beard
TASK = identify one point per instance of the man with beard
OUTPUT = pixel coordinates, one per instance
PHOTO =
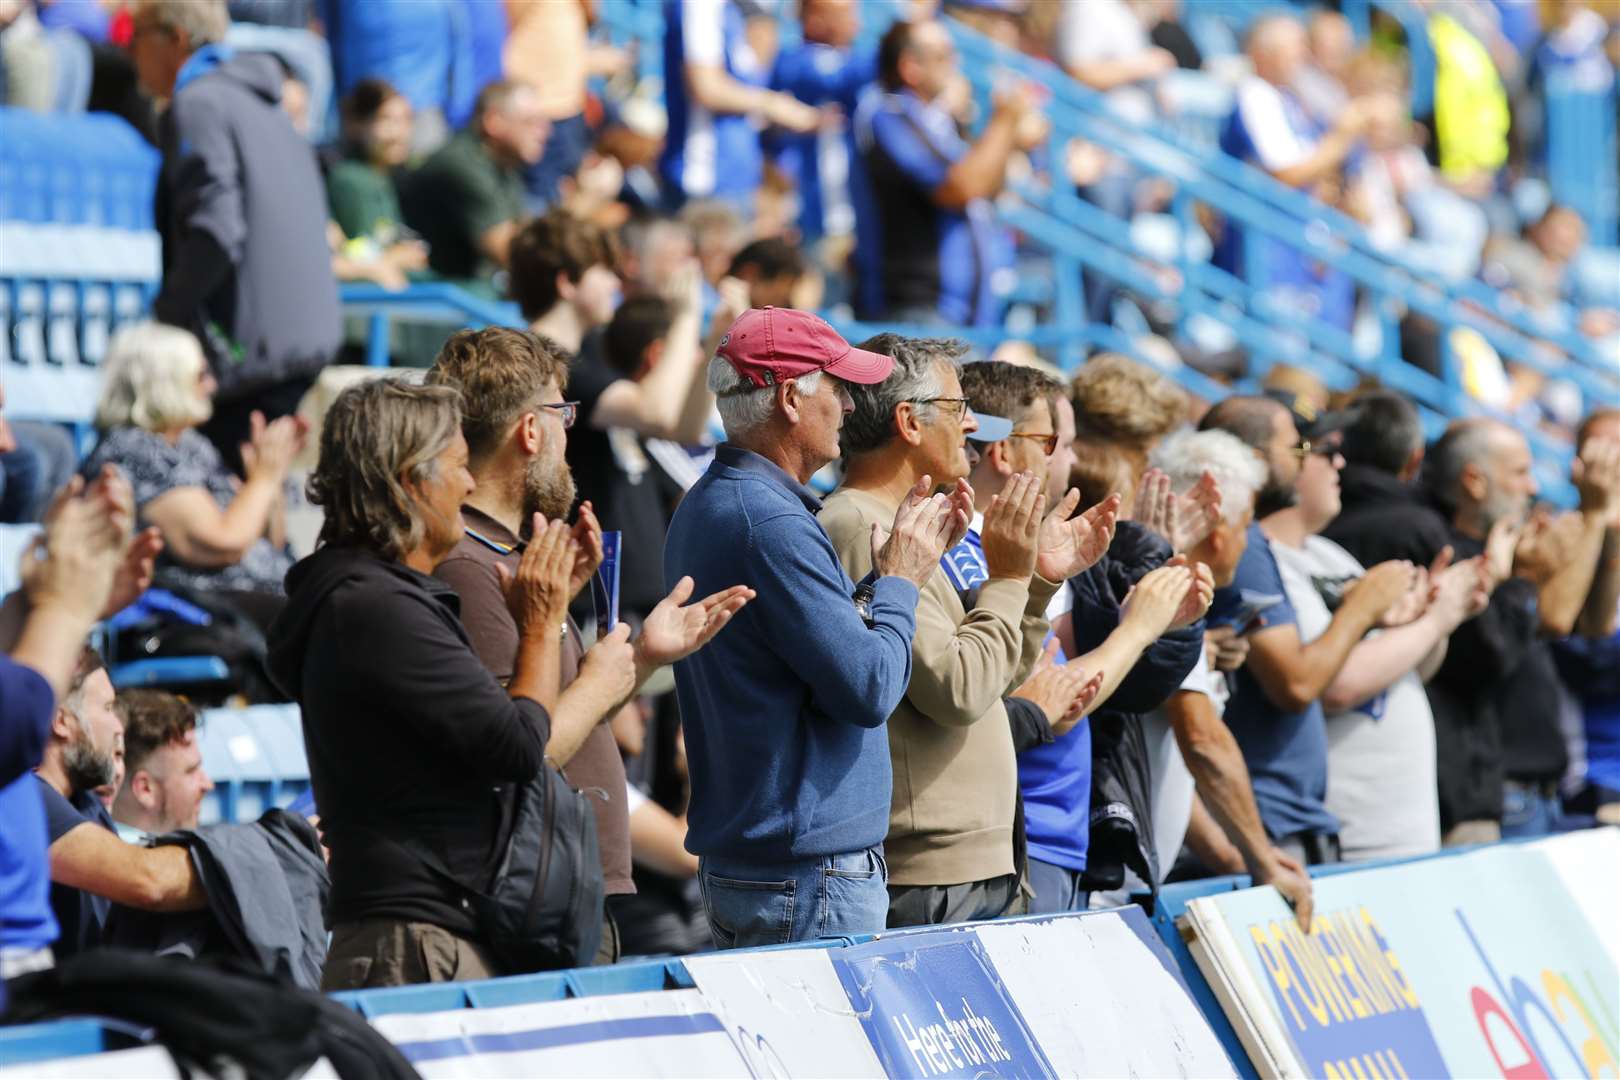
(515, 422)
(90, 867)
(1495, 699)
(1275, 711)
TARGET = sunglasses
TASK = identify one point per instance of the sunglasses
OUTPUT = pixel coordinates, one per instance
(1049, 439)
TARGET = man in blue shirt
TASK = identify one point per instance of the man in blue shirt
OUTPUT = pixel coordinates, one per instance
(1270, 127)
(1276, 711)
(824, 70)
(927, 249)
(784, 710)
(715, 93)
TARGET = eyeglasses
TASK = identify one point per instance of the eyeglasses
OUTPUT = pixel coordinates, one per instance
(1049, 439)
(1302, 451)
(567, 411)
(1330, 448)
(957, 405)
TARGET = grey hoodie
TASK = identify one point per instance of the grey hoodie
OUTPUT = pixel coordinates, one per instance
(242, 210)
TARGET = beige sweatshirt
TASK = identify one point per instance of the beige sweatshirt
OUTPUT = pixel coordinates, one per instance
(955, 771)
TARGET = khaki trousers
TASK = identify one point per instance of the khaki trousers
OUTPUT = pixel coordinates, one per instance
(370, 953)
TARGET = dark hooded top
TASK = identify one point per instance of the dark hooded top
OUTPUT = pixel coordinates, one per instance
(408, 734)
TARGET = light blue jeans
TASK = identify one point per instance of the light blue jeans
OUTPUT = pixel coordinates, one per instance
(756, 902)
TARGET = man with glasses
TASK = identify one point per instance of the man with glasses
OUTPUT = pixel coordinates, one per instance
(515, 423)
(1276, 710)
(951, 846)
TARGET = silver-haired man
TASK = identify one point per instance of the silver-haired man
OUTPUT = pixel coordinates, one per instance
(784, 711)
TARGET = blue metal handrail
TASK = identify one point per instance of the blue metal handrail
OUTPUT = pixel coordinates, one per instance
(428, 301)
(1249, 195)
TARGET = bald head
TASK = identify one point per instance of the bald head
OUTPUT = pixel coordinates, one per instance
(1278, 47)
(1268, 429)
(1252, 419)
(1481, 472)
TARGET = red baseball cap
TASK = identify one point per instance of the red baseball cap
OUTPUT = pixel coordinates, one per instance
(769, 345)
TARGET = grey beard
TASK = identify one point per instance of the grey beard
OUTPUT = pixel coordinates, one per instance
(87, 767)
(1497, 507)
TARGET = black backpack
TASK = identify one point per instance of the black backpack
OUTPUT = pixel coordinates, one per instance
(543, 907)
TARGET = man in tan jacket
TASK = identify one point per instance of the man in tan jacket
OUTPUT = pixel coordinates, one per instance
(950, 846)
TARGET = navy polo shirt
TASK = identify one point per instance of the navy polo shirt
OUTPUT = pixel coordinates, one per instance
(1286, 752)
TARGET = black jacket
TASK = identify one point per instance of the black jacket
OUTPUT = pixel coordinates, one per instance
(216, 1018)
(242, 211)
(408, 734)
(1121, 787)
(1381, 518)
(267, 888)
(1495, 703)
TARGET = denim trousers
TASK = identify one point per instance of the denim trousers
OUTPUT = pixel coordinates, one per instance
(1529, 811)
(752, 902)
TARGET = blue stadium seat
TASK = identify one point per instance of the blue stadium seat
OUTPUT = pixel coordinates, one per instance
(78, 256)
(255, 756)
(160, 671)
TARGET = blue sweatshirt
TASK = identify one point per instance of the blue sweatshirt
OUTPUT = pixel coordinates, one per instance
(784, 710)
(26, 708)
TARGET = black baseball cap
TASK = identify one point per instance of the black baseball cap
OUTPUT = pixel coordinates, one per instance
(1312, 424)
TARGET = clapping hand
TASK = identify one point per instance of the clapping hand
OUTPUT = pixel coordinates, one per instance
(1183, 520)
(924, 527)
(87, 530)
(1155, 600)
(1063, 691)
(1412, 604)
(1012, 528)
(673, 631)
(1596, 474)
(1072, 545)
(537, 593)
(1200, 594)
(587, 534)
(134, 575)
(1547, 545)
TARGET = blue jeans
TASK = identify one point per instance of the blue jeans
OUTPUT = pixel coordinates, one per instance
(756, 902)
(1528, 813)
(1057, 889)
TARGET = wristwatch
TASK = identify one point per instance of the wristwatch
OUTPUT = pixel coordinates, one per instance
(863, 602)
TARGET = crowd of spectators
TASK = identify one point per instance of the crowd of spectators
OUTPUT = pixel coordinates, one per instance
(753, 634)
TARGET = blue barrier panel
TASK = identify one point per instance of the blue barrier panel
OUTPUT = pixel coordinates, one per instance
(27, 1043)
(1472, 964)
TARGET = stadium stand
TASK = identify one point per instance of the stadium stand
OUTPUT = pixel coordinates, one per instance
(1144, 275)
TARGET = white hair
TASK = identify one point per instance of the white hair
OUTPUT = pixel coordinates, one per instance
(149, 380)
(1187, 455)
(743, 406)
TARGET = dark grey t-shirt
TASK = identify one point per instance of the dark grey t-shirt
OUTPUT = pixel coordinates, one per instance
(80, 915)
